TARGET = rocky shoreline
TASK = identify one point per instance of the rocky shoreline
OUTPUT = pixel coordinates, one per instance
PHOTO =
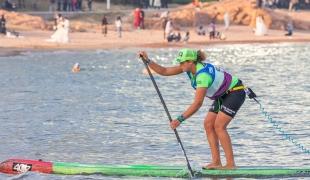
(34, 30)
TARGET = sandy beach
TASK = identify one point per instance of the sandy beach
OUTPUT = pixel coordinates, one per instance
(34, 40)
(240, 30)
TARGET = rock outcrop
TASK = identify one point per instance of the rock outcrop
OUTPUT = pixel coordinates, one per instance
(242, 12)
(16, 20)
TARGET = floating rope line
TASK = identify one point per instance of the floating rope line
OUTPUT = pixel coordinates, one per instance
(251, 94)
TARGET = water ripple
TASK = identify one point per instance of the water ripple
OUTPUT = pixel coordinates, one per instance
(110, 113)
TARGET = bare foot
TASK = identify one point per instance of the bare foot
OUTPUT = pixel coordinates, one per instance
(213, 166)
(228, 166)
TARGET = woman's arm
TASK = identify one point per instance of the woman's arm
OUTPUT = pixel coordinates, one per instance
(170, 71)
(160, 69)
(199, 97)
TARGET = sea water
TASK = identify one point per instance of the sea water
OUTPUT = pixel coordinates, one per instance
(110, 113)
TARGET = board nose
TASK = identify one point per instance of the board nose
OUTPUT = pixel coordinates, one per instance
(16, 166)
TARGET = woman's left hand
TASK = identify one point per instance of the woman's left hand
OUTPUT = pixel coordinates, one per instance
(174, 124)
(144, 55)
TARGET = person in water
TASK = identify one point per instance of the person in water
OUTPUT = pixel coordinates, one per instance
(76, 67)
(226, 91)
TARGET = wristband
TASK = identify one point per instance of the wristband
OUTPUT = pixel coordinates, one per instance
(149, 61)
(181, 118)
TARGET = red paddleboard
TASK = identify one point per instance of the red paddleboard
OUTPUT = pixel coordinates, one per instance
(16, 166)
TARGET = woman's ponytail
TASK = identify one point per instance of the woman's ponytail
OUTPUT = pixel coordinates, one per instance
(201, 56)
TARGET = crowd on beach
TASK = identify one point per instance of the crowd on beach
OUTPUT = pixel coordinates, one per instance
(172, 36)
(170, 32)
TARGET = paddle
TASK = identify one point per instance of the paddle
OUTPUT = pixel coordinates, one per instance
(168, 114)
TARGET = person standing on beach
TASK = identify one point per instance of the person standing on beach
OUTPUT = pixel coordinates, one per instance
(74, 5)
(118, 24)
(59, 5)
(164, 4)
(136, 13)
(186, 37)
(2, 25)
(201, 31)
(70, 5)
(197, 4)
(157, 4)
(67, 29)
(259, 3)
(169, 27)
(227, 20)
(52, 5)
(56, 21)
(89, 2)
(307, 4)
(164, 23)
(211, 31)
(293, 4)
(226, 91)
(142, 14)
(151, 4)
(79, 5)
(104, 24)
(260, 29)
(64, 5)
(146, 4)
(289, 28)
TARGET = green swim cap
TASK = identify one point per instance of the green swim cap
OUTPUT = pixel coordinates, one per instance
(185, 55)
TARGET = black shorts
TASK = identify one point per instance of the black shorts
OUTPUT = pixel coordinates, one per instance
(229, 103)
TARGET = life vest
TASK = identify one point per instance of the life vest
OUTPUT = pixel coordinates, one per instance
(220, 80)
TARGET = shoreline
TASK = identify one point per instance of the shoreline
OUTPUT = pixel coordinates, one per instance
(5, 52)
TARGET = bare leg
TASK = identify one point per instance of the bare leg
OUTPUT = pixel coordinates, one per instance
(213, 141)
(222, 120)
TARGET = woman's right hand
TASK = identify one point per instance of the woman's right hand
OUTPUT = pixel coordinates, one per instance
(142, 54)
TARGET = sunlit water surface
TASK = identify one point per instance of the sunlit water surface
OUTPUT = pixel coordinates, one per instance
(110, 113)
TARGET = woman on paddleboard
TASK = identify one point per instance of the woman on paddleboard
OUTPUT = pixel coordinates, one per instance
(212, 82)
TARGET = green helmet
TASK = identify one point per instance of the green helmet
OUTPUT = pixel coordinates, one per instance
(185, 55)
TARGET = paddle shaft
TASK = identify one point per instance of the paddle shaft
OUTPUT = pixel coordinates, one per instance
(168, 114)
